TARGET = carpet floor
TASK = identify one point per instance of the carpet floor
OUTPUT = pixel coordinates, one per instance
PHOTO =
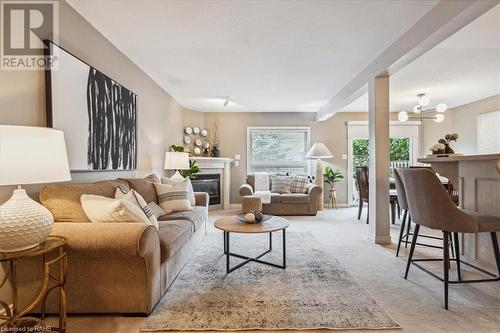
(314, 292)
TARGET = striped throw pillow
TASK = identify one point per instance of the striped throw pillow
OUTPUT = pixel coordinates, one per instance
(136, 199)
(173, 197)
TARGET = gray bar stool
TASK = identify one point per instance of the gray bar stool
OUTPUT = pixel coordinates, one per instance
(403, 203)
(431, 206)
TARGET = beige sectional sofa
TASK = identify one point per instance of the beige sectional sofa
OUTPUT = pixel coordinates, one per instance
(115, 267)
(287, 204)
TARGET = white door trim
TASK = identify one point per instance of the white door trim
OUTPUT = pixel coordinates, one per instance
(358, 129)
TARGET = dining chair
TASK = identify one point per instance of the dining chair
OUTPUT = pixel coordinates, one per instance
(363, 190)
(431, 206)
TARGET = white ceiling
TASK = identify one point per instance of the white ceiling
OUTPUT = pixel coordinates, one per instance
(462, 69)
(266, 55)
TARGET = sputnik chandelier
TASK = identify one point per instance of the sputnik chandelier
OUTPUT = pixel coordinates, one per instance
(419, 112)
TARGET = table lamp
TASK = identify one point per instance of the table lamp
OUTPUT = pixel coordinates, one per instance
(317, 152)
(176, 161)
(28, 155)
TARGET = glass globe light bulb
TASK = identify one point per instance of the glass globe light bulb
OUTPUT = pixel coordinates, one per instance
(441, 107)
(417, 108)
(423, 101)
(439, 118)
(403, 116)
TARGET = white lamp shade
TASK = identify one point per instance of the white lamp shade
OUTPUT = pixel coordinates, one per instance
(318, 150)
(176, 161)
(32, 155)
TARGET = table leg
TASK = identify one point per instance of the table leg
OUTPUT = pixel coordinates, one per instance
(270, 241)
(284, 248)
(227, 253)
(62, 292)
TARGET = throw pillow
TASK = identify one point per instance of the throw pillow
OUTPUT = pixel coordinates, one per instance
(299, 184)
(136, 199)
(157, 210)
(173, 197)
(171, 181)
(103, 209)
(281, 184)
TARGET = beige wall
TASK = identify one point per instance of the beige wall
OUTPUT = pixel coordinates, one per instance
(160, 117)
(461, 120)
(233, 132)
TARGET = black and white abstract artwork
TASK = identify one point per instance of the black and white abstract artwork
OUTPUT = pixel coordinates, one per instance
(97, 114)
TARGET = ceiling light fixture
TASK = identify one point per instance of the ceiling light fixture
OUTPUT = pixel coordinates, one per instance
(419, 111)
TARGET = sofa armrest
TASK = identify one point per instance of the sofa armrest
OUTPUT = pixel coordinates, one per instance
(245, 190)
(201, 198)
(113, 239)
(314, 190)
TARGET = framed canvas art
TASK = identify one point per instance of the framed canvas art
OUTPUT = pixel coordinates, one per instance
(97, 114)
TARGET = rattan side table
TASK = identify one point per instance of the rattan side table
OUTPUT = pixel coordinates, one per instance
(53, 251)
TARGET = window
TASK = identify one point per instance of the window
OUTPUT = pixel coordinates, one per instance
(277, 149)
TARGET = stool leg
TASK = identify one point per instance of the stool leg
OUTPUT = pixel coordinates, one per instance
(446, 266)
(360, 208)
(408, 230)
(393, 212)
(496, 251)
(457, 255)
(401, 231)
(412, 248)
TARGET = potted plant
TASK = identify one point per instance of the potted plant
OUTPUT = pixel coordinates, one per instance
(193, 168)
(331, 176)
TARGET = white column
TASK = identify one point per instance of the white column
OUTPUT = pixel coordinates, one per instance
(378, 94)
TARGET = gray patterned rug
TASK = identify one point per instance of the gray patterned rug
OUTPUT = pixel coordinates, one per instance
(314, 292)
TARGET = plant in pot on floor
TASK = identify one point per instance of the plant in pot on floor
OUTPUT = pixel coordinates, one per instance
(331, 177)
(193, 168)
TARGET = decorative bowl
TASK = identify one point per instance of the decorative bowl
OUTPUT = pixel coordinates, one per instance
(241, 218)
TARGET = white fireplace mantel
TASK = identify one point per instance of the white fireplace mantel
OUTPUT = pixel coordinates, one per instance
(220, 165)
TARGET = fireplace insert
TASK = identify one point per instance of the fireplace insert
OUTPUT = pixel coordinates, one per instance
(209, 183)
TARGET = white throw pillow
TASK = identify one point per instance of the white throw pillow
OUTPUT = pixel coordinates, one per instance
(173, 197)
(103, 209)
(172, 180)
(136, 199)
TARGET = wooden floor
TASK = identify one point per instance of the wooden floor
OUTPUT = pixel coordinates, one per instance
(416, 303)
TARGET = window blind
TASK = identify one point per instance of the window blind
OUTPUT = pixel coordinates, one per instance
(275, 149)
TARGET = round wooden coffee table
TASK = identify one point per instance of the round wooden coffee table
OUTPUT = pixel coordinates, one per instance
(231, 224)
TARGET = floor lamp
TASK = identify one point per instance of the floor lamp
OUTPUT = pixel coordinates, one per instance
(317, 152)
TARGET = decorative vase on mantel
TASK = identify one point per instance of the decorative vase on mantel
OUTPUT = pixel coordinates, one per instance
(448, 149)
(215, 151)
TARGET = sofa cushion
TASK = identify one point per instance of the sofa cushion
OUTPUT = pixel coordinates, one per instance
(275, 198)
(295, 198)
(197, 216)
(63, 201)
(145, 187)
(173, 235)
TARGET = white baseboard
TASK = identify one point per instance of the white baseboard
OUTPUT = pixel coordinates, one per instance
(235, 205)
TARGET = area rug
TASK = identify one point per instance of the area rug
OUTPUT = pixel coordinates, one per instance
(314, 292)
